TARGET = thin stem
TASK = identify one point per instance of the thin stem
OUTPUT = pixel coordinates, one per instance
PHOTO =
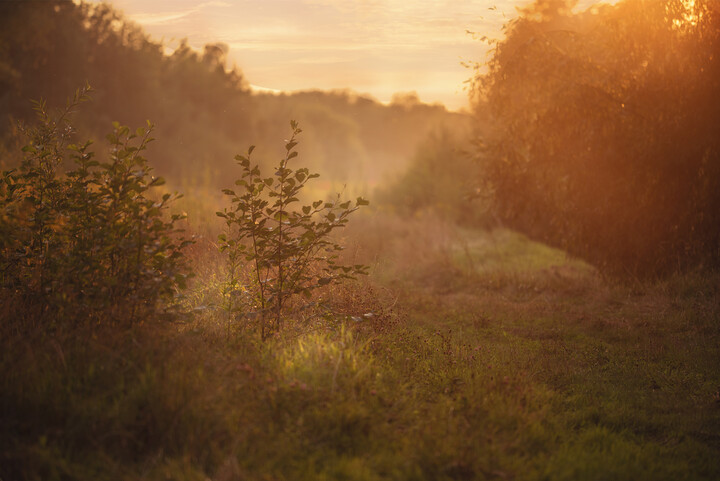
(283, 179)
(261, 286)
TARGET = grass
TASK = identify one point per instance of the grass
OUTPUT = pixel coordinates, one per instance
(486, 356)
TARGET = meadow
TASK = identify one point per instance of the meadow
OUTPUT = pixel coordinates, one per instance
(532, 293)
(465, 354)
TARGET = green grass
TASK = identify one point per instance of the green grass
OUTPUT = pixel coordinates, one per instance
(487, 357)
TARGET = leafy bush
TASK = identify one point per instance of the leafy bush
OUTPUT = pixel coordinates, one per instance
(290, 251)
(605, 140)
(89, 238)
(440, 178)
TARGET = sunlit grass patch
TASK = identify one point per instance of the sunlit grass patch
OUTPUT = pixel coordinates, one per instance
(424, 249)
(324, 360)
(502, 258)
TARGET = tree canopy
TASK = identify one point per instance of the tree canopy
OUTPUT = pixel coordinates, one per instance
(605, 131)
(201, 105)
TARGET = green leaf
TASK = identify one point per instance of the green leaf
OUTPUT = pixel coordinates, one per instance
(280, 216)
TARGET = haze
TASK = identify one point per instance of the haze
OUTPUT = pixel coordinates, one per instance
(377, 47)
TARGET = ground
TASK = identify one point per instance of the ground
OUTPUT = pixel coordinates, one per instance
(469, 355)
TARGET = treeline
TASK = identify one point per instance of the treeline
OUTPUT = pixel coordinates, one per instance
(605, 138)
(204, 109)
(440, 180)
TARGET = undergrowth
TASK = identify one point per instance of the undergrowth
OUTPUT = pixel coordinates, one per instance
(83, 239)
(551, 374)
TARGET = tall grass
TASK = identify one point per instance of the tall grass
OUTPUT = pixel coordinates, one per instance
(542, 371)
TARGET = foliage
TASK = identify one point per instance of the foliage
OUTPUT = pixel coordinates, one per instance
(291, 251)
(79, 236)
(546, 375)
(136, 77)
(440, 178)
(605, 140)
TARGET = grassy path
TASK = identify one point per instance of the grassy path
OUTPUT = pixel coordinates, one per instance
(562, 376)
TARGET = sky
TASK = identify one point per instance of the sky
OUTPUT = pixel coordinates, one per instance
(375, 47)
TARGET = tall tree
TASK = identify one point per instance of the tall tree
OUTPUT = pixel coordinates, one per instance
(605, 140)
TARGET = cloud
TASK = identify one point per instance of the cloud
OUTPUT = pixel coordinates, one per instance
(160, 18)
(376, 46)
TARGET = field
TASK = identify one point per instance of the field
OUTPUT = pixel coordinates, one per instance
(193, 308)
(466, 354)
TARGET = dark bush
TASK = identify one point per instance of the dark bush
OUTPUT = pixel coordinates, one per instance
(78, 236)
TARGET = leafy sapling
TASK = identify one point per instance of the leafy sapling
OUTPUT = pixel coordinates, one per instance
(288, 250)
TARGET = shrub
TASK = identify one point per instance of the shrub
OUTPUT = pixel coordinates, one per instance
(289, 251)
(79, 236)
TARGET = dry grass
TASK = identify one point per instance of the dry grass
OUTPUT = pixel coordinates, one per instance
(465, 355)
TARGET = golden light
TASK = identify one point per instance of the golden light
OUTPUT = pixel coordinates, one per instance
(690, 15)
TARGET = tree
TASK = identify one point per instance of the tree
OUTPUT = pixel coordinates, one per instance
(605, 140)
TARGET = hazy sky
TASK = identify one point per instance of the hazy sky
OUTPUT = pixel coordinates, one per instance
(371, 46)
